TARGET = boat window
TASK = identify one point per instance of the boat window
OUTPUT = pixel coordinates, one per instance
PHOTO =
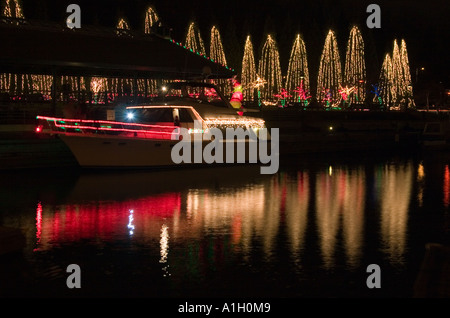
(160, 115)
(157, 115)
(185, 115)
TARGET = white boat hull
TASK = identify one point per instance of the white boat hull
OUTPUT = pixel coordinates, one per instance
(116, 152)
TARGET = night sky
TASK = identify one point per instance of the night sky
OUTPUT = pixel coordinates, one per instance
(423, 24)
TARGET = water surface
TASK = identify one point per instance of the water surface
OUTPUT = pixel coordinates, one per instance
(310, 230)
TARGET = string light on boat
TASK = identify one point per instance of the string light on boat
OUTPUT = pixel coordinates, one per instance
(234, 123)
(88, 125)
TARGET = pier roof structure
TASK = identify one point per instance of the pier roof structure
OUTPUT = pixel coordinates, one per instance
(37, 47)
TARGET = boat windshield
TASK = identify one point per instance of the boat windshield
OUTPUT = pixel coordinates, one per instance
(191, 93)
(163, 115)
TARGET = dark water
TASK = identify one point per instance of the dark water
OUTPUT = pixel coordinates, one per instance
(309, 231)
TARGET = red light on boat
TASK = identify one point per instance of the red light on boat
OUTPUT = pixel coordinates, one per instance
(39, 129)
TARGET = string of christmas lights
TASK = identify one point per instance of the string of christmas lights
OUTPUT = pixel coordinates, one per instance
(12, 9)
(120, 86)
(329, 78)
(269, 69)
(216, 51)
(151, 18)
(406, 76)
(194, 40)
(297, 74)
(72, 83)
(42, 83)
(395, 80)
(234, 123)
(303, 94)
(386, 93)
(355, 67)
(98, 84)
(282, 96)
(5, 84)
(248, 72)
(123, 25)
(152, 86)
(217, 54)
(398, 84)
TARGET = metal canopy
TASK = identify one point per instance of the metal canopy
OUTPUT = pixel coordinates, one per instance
(52, 49)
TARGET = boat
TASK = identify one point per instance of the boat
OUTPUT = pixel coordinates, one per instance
(139, 136)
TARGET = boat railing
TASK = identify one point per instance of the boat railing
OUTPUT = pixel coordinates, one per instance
(66, 126)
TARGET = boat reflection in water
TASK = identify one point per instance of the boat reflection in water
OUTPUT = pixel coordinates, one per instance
(220, 221)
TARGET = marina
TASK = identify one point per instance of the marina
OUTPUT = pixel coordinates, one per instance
(293, 161)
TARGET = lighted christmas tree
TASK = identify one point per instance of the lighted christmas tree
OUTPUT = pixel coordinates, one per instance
(269, 70)
(297, 75)
(329, 79)
(151, 18)
(217, 54)
(194, 40)
(248, 73)
(123, 25)
(355, 67)
(398, 80)
(408, 93)
(386, 92)
(395, 79)
(12, 9)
